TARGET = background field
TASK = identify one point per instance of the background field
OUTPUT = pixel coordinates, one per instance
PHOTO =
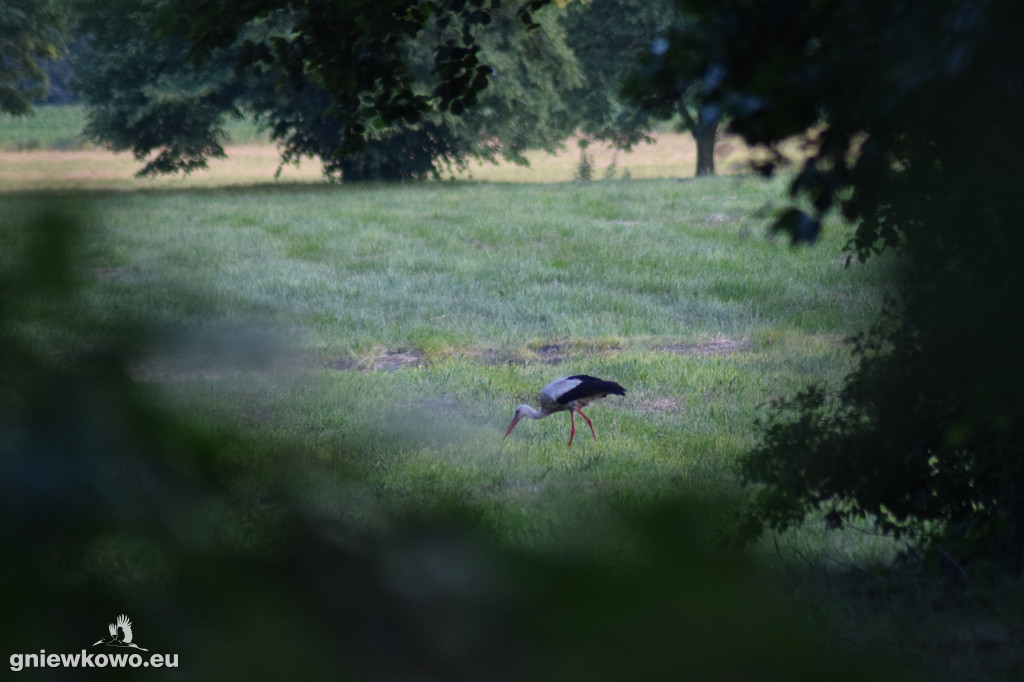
(372, 342)
(49, 151)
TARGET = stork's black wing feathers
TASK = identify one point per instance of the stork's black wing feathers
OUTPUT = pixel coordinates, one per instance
(589, 386)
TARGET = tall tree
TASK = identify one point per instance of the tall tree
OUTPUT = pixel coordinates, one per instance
(916, 107)
(146, 95)
(610, 37)
(523, 107)
(30, 31)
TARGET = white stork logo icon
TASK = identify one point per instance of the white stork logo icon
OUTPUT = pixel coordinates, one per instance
(120, 634)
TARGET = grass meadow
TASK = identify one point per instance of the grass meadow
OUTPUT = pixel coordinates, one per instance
(386, 334)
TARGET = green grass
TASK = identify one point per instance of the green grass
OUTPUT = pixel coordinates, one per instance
(59, 127)
(47, 127)
(488, 267)
(394, 329)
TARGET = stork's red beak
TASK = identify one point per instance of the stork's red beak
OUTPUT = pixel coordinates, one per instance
(515, 420)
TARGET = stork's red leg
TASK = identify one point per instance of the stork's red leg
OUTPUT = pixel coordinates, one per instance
(588, 422)
(572, 434)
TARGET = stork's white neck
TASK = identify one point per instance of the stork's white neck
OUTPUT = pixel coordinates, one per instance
(525, 410)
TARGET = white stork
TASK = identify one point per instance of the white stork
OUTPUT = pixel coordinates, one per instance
(568, 393)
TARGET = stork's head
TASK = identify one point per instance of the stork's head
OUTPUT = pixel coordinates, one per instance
(521, 412)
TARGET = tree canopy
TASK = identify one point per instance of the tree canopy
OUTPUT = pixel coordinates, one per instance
(417, 86)
(522, 108)
(165, 95)
(30, 31)
(354, 50)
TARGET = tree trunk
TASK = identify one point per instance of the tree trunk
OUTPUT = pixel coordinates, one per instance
(704, 134)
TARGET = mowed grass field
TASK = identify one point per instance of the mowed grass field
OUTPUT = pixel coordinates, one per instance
(394, 329)
(372, 342)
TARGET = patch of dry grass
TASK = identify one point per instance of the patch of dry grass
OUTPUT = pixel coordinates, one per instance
(98, 169)
(671, 155)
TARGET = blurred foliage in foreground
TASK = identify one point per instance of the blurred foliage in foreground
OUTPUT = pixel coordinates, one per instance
(110, 505)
